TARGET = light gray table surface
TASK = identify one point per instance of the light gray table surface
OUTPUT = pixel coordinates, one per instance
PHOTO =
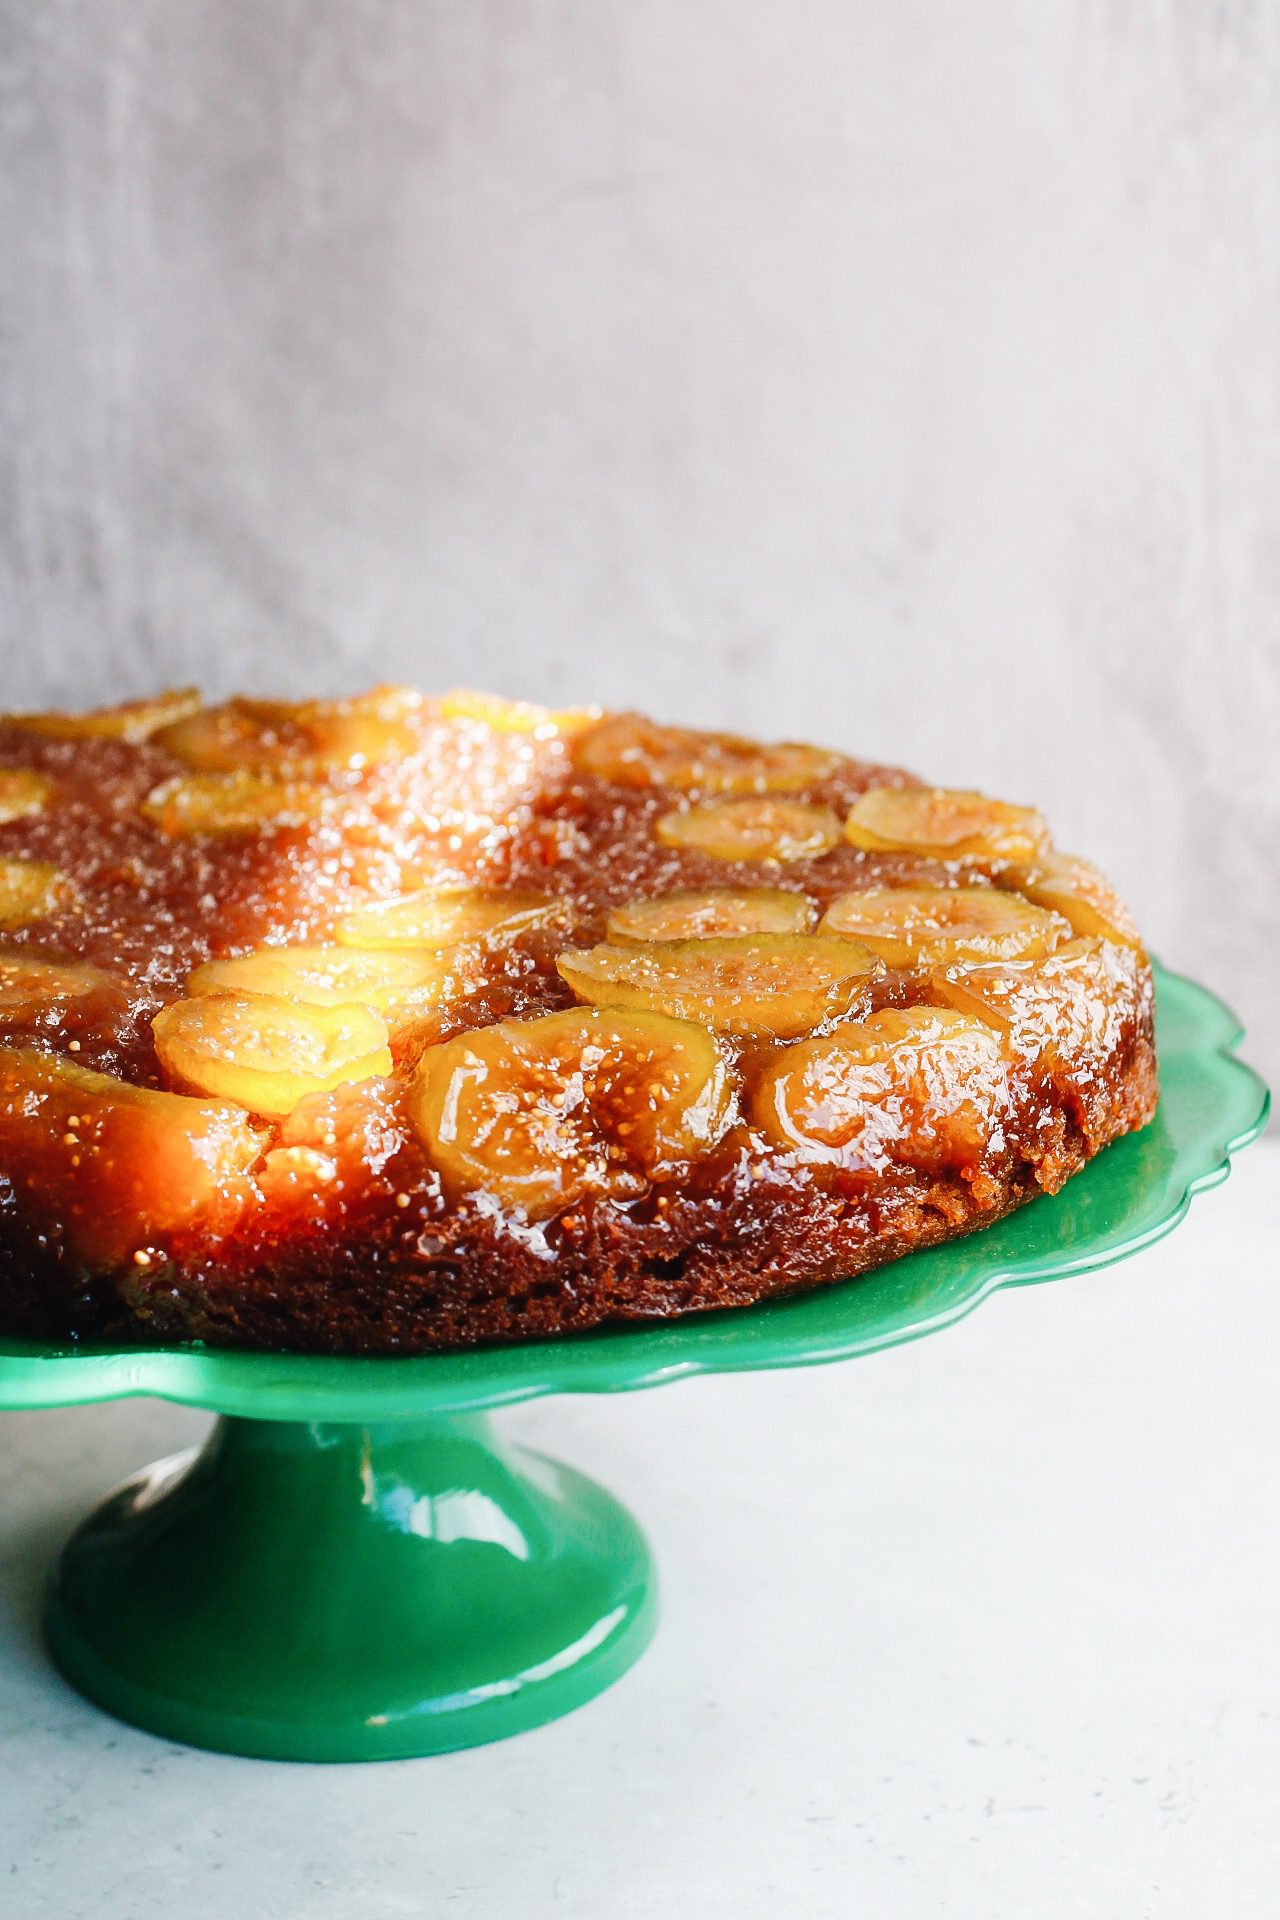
(985, 1626)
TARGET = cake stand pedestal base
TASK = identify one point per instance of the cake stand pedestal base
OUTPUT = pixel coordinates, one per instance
(314, 1591)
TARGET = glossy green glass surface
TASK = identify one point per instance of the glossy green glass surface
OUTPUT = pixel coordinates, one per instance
(354, 1568)
(302, 1591)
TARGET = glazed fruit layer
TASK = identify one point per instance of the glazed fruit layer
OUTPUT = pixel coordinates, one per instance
(395, 1022)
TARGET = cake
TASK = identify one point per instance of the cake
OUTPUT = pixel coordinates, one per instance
(401, 1023)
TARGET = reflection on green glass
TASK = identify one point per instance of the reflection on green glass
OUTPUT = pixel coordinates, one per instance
(309, 1592)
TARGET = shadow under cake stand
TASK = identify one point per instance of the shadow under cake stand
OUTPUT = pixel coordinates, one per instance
(356, 1566)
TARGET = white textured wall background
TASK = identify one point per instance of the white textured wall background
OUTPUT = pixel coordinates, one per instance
(900, 374)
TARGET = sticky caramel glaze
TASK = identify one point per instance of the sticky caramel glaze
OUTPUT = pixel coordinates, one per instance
(153, 906)
(350, 1242)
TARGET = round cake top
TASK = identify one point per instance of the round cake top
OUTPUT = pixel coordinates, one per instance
(397, 984)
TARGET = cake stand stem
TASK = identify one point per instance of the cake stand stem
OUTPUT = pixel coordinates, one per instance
(343, 1592)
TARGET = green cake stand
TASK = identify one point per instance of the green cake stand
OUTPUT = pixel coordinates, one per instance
(356, 1567)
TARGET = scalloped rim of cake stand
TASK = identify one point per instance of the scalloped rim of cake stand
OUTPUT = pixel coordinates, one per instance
(1135, 1191)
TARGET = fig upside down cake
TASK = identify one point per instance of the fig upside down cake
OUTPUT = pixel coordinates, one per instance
(395, 1022)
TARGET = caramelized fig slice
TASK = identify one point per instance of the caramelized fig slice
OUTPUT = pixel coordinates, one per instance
(235, 803)
(694, 913)
(29, 889)
(22, 793)
(1072, 1007)
(407, 987)
(134, 721)
(947, 822)
(266, 1053)
(752, 830)
(438, 916)
(543, 1113)
(515, 716)
(1085, 898)
(46, 990)
(630, 751)
(108, 1168)
(298, 737)
(940, 926)
(923, 1085)
(781, 983)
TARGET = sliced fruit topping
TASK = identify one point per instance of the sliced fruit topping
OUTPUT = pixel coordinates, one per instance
(235, 803)
(759, 830)
(134, 721)
(923, 1085)
(630, 751)
(407, 988)
(704, 913)
(1084, 897)
(942, 926)
(1072, 1006)
(28, 890)
(46, 990)
(22, 793)
(267, 1053)
(109, 1167)
(515, 716)
(359, 1127)
(298, 736)
(437, 916)
(290, 1174)
(781, 983)
(947, 822)
(542, 1113)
